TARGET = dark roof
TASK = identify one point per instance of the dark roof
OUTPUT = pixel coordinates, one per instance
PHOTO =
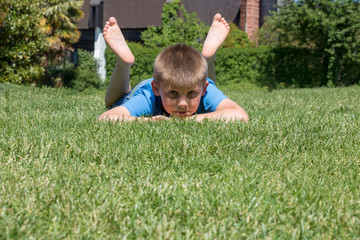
(143, 13)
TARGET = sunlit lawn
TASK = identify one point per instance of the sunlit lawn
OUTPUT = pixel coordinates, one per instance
(292, 172)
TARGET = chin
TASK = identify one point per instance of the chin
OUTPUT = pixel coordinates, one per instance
(181, 114)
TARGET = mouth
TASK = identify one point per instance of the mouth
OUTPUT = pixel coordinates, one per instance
(181, 114)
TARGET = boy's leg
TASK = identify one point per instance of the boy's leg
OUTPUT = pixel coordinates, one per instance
(120, 79)
(218, 31)
(211, 68)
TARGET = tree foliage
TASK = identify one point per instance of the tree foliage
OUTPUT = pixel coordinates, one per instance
(30, 30)
(22, 42)
(82, 77)
(174, 29)
(331, 27)
(60, 22)
(236, 38)
(86, 73)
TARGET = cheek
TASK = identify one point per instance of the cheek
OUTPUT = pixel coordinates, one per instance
(168, 102)
(195, 102)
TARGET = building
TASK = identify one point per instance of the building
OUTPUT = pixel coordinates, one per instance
(134, 16)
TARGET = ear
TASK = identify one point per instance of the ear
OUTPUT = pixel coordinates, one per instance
(205, 87)
(155, 88)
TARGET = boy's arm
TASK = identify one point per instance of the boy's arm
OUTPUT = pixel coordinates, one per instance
(119, 114)
(227, 110)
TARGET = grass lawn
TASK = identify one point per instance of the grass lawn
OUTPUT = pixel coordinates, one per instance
(293, 172)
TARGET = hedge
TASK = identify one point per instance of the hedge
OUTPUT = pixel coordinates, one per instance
(81, 77)
(143, 66)
(264, 66)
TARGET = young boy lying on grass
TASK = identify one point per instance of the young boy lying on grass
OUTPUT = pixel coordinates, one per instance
(179, 87)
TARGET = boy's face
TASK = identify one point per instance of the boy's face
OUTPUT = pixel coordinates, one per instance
(180, 101)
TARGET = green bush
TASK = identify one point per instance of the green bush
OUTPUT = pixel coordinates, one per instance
(271, 67)
(177, 26)
(143, 66)
(236, 38)
(265, 66)
(86, 75)
(294, 67)
(22, 41)
(59, 76)
(232, 65)
(240, 65)
(329, 29)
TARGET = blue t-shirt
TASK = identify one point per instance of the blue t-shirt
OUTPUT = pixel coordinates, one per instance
(143, 102)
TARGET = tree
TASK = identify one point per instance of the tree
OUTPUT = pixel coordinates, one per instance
(60, 23)
(174, 29)
(22, 42)
(330, 27)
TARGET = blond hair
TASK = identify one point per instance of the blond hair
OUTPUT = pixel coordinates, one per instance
(180, 65)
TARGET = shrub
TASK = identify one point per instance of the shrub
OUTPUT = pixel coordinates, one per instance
(265, 66)
(292, 67)
(232, 65)
(238, 65)
(270, 67)
(21, 41)
(79, 78)
(86, 74)
(143, 66)
(177, 26)
(326, 28)
(236, 38)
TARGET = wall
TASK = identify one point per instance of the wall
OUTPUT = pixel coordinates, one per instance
(250, 16)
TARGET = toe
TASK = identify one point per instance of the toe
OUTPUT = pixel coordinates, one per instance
(217, 17)
(112, 21)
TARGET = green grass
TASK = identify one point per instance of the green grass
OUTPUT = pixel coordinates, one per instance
(291, 173)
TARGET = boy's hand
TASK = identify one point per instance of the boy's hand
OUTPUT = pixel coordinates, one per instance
(159, 117)
(227, 110)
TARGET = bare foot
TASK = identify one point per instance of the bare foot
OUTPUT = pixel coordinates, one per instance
(218, 31)
(116, 41)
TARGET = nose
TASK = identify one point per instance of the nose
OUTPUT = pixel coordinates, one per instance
(182, 104)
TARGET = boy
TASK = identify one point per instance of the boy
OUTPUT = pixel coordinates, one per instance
(179, 87)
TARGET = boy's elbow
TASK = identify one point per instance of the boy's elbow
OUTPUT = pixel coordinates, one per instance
(241, 115)
(109, 115)
(116, 114)
(234, 115)
(103, 117)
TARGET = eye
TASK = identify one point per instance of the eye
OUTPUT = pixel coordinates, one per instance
(172, 94)
(192, 94)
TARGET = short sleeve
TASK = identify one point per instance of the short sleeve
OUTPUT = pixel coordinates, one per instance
(138, 106)
(211, 99)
